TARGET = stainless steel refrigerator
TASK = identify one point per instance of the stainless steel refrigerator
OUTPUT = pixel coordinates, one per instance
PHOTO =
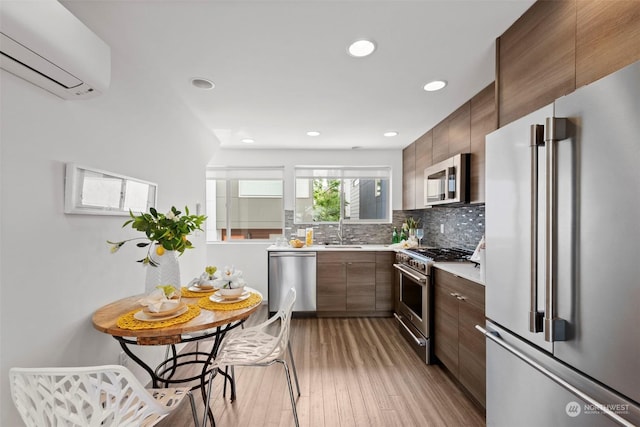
(563, 260)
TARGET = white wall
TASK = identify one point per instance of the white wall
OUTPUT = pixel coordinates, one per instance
(56, 268)
(251, 257)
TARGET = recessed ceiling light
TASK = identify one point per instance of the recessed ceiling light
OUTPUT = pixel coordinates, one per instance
(391, 133)
(435, 85)
(361, 48)
(248, 140)
(201, 83)
(313, 133)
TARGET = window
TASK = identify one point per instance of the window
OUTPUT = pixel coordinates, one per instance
(97, 192)
(355, 194)
(244, 203)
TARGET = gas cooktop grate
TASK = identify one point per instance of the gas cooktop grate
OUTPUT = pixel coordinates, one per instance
(443, 254)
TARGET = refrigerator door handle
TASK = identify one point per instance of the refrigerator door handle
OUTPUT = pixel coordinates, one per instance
(535, 316)
(554, 327)
(495, 337)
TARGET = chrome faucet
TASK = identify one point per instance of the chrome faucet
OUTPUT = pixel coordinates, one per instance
(340, 230)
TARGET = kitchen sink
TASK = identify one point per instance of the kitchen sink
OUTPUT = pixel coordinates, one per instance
(344, 246)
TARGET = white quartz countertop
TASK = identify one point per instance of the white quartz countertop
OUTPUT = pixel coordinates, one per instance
(465, 270)
(323, 248)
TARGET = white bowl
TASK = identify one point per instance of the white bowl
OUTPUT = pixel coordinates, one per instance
(166, 308)
(231, 293)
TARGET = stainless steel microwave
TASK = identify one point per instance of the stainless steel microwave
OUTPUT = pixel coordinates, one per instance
(447, 181)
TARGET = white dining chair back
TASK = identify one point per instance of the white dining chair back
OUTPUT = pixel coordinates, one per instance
(261, 345)
(108, 395)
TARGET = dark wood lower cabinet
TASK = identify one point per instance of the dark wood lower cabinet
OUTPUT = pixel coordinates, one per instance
(354, 283)
(458, 307)
(331, 291)
(384, 281)
(361, 285)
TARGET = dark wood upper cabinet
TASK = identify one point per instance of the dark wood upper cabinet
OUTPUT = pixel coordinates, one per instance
(441, 141)
(409, 177)
(484, 120)
(424, 158)
(536, 59)
(608, 38)
(552, 49)
(460, 130)
(557, 46)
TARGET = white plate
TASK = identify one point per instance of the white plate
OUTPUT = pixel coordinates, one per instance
(141, 315)
(217, 298)
(197, 289)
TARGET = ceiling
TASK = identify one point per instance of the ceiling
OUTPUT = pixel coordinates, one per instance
(281, 68)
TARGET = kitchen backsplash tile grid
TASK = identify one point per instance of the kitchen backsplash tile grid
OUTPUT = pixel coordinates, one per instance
(463, 228)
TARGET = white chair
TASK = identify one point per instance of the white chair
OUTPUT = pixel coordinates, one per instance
(107, 395)
(260, 345)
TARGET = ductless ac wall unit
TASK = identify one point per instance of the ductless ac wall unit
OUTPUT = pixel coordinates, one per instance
(45, 44)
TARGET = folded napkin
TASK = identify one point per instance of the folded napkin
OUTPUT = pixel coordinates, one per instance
(157, 301)
(202, 282)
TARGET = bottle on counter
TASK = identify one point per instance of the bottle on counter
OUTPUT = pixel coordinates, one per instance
(394, 237)
(403, 235)
(309, 237)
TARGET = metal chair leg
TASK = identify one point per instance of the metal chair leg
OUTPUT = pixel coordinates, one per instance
(232, 382)
(293, 400)
(207, 404)
(193, 409)
(293, 365)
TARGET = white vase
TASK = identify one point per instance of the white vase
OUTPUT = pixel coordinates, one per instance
(167, 271)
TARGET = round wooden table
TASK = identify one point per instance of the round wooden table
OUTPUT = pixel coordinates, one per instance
(209, 324)
(105, 318)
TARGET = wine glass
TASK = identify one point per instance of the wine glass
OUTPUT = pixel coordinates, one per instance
(419, 235)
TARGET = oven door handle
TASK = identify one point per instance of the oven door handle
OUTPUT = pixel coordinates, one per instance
(419, 341)
(414, 276)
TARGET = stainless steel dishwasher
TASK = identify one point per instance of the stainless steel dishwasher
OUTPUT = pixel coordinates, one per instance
(288, 269)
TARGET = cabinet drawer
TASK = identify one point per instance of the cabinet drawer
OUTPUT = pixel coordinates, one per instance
(343, 256)
(472, 292)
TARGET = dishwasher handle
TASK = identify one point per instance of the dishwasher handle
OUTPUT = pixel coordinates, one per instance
(292, 254)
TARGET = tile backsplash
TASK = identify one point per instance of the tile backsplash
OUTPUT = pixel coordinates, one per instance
(463, 227)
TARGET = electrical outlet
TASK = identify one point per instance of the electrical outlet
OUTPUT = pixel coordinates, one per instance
(123, 359)
(442, 228)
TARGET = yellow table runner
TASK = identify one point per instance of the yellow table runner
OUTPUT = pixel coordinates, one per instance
(185, 292)
(207, 304)
(127, 321)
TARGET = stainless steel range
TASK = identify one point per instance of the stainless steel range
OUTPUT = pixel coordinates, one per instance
(415, 296)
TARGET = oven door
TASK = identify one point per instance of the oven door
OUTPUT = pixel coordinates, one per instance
(413, 310)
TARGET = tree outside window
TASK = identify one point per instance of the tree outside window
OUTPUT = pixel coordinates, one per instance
(357, 195)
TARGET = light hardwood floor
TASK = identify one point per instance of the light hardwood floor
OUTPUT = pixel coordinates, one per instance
(352, 372)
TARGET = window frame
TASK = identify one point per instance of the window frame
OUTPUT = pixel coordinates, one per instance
(239, 173)
(344, 173)
(78, 176)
